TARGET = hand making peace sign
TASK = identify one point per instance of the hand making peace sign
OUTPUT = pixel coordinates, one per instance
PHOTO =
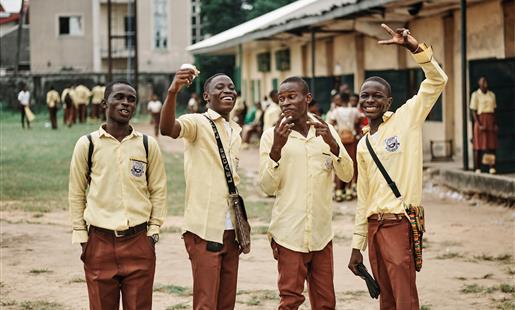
(401, 36)
(322, 129)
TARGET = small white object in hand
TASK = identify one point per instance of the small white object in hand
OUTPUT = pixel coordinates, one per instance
(190, 66)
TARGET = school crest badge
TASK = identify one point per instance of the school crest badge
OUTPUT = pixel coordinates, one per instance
(137, 167)
(392, 144)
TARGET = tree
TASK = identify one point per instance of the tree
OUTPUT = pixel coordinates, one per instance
(260, 7)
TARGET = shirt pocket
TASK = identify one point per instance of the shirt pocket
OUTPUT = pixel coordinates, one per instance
(323, 162)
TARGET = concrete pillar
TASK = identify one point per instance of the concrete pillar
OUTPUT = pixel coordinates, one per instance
(359, 71)
(95, 18)
(448, 66)
(508, 8)
(329, 55)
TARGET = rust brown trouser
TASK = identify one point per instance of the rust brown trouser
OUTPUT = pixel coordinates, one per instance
(391, 259)
(114, 264)
(215, 274)
(295, 268)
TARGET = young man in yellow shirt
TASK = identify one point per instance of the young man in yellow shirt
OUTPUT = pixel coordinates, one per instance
(117, 220)
(208, 231)
(298, 158)
(53, 100)
(396, 138)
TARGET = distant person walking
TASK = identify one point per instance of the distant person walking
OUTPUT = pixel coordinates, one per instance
(193, 103)
(97, 94)
(154, 107)
(69, 107)
(117, 198)
(272, 112)
(82, 95)
(53, 100)
(24, 104)
(483, 105)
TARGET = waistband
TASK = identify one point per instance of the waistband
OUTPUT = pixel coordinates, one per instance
(121, 233)
(386, 217)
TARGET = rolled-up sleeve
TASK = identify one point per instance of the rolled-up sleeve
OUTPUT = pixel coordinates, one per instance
(430, 89)
(77, 186)
(269, 170)
(342, 164)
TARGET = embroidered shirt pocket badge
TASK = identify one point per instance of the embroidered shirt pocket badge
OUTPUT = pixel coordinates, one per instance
(137, 167)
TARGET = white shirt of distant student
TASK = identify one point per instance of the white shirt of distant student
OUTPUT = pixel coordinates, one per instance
(154, 106)
(24, 97)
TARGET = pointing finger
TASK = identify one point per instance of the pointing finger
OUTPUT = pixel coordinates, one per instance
(388, 29)
(321, 120)
(386, 42)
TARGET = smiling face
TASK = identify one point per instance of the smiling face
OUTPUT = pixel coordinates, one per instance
(374, 99)
(294, 100)
(121, 103)
(220, 95)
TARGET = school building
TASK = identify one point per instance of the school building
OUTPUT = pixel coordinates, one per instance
(329, 42)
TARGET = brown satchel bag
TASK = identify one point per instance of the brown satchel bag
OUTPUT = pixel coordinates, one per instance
(242, 226)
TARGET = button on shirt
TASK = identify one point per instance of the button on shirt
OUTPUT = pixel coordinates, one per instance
(302, 181)
(119, 195)
(207, 194)
(398, 144)
(483, 103)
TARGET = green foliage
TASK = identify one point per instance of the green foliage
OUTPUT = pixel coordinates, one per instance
(260, 7)
(174, 289)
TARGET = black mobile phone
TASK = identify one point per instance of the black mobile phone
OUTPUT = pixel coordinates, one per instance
(212, 246)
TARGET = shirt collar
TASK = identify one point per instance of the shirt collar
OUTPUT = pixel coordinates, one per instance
(386, 116)
(104, 133)
(212, 114)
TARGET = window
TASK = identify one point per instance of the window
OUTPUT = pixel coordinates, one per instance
(263, 60)
(282, 60)
(70, 25)
(160, 25)
(129, 23)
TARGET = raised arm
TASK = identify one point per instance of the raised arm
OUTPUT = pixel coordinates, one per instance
(168, 125)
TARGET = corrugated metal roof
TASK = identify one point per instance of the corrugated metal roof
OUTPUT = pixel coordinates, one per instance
(294, 11)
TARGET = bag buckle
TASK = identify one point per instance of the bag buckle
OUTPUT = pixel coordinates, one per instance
(119, 234)
(380, 217)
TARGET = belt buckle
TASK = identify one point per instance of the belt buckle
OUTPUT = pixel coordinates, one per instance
(118, 234)
(380, 217)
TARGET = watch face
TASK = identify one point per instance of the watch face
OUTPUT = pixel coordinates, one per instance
(155, 238)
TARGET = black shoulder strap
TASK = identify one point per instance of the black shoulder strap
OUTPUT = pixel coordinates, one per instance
(90, 157)
(389, 180)
(223, 158)
(145, 145)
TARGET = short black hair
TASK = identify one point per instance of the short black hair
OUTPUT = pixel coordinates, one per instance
(345, 97)
(382, 82)
(272, 93)
(206, 83)
(110, 85)
(298, 80)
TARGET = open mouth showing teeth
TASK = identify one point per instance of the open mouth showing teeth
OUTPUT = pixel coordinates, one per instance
(124, 111)
(370, 108)
(228, 99)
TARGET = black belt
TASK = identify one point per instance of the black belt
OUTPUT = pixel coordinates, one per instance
(121, 233)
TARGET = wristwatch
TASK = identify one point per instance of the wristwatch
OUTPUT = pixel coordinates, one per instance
(155, 238)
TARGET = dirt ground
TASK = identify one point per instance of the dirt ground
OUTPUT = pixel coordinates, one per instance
(468, 262)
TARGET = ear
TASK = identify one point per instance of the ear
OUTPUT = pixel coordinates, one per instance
(389, 104)
(205, 96)
(309, 98)
(103, 103)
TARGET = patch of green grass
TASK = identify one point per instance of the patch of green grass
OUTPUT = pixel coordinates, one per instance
(39, 271)
(170, 229)
(259, 230)
(472, 288)
(498, 258)
(174, 289)
(425, 307)
(506, 304)
(7, 302)
(40, 305)
(507, 288)
(77, 280)
(261, 210)
(449, 255)
(180, 306)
